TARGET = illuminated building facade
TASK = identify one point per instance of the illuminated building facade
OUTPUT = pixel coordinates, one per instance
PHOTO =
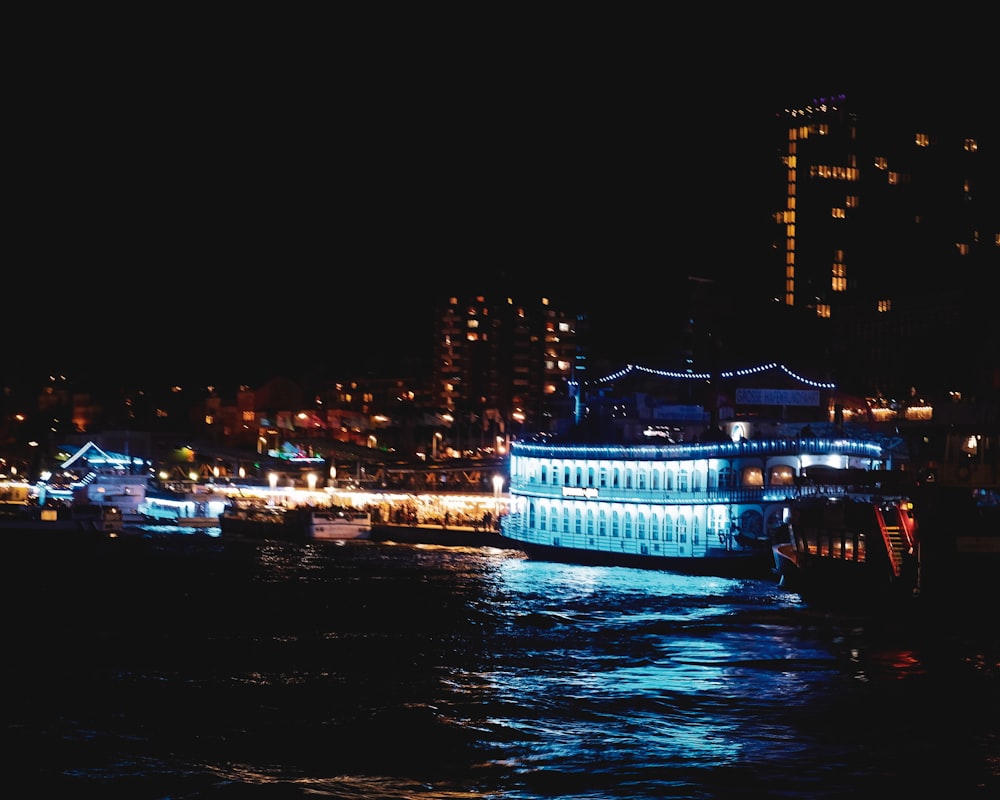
(888, 224)
(506, 365)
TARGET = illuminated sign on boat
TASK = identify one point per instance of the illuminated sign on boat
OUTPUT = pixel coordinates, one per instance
(576, 491)
(778, 397)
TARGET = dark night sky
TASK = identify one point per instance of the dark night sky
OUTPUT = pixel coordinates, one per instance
(189, 214)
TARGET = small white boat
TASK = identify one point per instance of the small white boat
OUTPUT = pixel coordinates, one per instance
(297, 524)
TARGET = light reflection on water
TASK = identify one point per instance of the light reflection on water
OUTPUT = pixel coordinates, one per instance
(370, 671)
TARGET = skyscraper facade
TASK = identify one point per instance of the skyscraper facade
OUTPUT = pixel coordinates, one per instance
(507, 365)
(888, 229)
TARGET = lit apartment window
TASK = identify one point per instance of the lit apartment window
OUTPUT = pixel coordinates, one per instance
(881, 163)
(838, 213)
(893, 178)
(823, 310)
(851, 201)
(971, 145)
(922, 140)
(839, 273)
(883, 306)
(963, 248)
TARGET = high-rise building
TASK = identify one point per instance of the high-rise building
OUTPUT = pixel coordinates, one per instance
(506, 366)
(888, 229)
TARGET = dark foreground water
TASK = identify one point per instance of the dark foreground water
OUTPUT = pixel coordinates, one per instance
(370, 670)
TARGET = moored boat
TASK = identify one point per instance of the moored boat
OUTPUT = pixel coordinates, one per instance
(296, 524)
(850, 549)
(73, 517)
(709, 508)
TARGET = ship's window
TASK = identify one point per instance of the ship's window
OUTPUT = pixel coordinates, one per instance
(726, 477)
(781, 475)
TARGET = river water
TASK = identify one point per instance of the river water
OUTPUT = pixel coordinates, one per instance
(185, 667)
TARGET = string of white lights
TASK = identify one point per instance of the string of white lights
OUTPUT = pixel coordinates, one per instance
(739, 373)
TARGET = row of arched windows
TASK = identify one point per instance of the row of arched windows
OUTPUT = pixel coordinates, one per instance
(665, 476)
(627, 524)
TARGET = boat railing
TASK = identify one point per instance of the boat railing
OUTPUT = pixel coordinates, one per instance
(812, 445)
(713, 495)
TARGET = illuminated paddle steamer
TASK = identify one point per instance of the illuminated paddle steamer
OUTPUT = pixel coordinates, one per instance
(711, 508)
(714, 505)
